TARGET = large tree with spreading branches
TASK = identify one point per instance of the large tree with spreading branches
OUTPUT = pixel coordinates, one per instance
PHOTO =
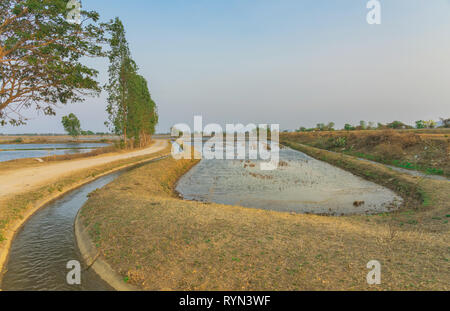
(40, 53)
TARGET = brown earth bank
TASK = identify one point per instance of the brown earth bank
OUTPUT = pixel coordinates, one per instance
(24, 190)
(422, 150)
(157, 241)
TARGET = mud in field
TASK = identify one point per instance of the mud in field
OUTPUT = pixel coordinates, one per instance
(301, 184)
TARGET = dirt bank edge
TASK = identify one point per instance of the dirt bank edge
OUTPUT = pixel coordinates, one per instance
(92, 259)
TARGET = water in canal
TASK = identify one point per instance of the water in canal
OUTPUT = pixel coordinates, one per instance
(45, 244)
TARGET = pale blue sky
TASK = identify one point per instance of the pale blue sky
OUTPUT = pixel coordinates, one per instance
(292, 62)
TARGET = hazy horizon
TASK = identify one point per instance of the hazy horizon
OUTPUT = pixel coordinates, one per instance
(289, 62)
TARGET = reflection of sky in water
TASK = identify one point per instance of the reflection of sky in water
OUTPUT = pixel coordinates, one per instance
(301, 184)
(10, 154)
(51, 146)
(216, 149)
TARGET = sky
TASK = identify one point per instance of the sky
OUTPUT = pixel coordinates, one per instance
(288, 62)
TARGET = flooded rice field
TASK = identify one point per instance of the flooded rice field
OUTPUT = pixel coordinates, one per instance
(10, 152)
(301, 184)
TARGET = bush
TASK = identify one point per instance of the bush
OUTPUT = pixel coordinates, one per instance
(340, 142)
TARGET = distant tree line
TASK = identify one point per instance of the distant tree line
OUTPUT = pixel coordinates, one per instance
(363, 125)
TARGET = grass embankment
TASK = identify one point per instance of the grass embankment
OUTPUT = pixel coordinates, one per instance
(13, 208)
(428, 152)
(157, 241)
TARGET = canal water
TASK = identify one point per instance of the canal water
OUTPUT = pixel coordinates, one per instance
(46, 243)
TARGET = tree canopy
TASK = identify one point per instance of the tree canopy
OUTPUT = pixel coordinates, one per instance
(40, 54)
(71, 125)
(121, 71)
(142, 114)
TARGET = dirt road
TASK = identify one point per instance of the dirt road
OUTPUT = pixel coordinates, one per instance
(26, 179)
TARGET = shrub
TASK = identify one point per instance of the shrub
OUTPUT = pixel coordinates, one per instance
(340, 142)
(349, 127)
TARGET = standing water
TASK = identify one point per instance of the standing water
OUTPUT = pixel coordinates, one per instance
(301, 184)
(10, 152)
(46, 243)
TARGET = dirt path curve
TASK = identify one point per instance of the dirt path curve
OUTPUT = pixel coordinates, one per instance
(26, 179)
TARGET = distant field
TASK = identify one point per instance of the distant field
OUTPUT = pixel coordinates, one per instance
(25, 139)
(422, 150)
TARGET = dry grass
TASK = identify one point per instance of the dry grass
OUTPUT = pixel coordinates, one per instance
(158, 241)
(419, 150)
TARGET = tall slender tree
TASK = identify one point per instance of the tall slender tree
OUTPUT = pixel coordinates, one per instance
(132, 112)
(142, 112)
(121, 71)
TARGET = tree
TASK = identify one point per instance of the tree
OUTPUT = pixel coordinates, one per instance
(40, 54)
(142, 114)
(420, 124)
(330, 126)
(349, 127)
(396, 125)
(71, 125)
(132, 112)
(121, 71)
(430, 124)
(445, 123)
(363, 125)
